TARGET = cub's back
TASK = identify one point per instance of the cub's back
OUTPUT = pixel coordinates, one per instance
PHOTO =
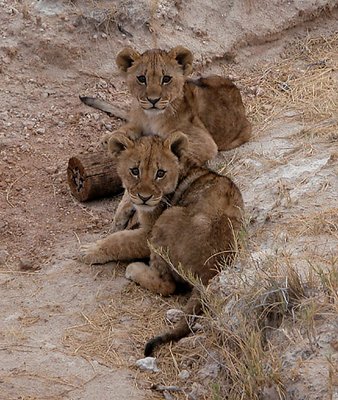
(211, 194)
(200, 229)
(219, 105)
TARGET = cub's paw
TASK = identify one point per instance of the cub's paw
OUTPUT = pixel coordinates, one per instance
(135, 270)
(92, 254)
(119, 224)
(123, 217)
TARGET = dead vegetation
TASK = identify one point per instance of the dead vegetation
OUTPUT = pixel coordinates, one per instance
(302, 85)
(254, 306)
(104, 17)
(101, 334)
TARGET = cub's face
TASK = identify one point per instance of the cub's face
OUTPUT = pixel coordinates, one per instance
(148, 167)
(156, 77)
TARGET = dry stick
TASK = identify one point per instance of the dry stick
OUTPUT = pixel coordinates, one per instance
(88, 320)
(174, 360)
(162, 388)
(77, 326)
(4, 346)
(58, 380)
(54, 193)
(105, 314)
(77, 204)
(10, 188)
(83, 384)
(77, 237)
(96, 75)
(121, 92)
(19, 272)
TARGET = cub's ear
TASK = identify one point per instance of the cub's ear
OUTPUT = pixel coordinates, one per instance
(177, 142)
(126, 58)
(184, 58)
(118, 143)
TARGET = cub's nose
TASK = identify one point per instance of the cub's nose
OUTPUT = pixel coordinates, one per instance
(144, 198)
(153, 101)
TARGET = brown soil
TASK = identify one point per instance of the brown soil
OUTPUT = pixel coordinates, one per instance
(73, 332)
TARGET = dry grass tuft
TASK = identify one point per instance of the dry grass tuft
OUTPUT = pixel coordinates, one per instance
(303, 85)
(117, 331)
(316, 223)
(255, 304)
(103, 17)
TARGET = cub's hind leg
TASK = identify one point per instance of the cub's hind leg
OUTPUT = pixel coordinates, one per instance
(242, 138)
(155, 277)
(202, 146)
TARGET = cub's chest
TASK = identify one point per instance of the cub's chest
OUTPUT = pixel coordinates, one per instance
(159, 125)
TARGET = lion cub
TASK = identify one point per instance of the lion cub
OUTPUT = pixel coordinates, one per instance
(209, 111)
(186, 211)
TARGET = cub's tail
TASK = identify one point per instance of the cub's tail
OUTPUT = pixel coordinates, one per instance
(104, 106)
(183, 327)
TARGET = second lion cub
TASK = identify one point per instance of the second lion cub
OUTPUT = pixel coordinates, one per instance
(189, 212)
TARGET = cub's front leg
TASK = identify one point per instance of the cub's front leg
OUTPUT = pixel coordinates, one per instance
(119, 246)
(125, 210)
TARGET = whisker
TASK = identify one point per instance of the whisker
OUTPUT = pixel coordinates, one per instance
(166, 201)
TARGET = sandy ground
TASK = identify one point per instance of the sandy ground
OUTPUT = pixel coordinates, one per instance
(50, 52)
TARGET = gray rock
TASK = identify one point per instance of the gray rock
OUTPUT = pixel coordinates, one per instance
(209, 371)
(184, 374)
(174, 315)
(3, 256)
(147, 364)
(197, 391)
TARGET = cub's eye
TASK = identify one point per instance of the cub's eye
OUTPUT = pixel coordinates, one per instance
(135, 171)
(166, 79)
(142, 79)
(160, 174)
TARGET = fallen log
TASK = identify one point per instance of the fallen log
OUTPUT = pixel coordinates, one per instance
(93, 176)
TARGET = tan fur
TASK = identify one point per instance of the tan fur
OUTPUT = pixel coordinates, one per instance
(198, 108)
(197, 231)
(209, 111)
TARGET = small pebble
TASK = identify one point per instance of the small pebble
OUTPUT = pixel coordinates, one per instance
(41, 131)
(259, 91)
(174, 315)
(147, 364)
(198, 327)
(25, 264)
(184, 374)
(267, 107)
(3, 256)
